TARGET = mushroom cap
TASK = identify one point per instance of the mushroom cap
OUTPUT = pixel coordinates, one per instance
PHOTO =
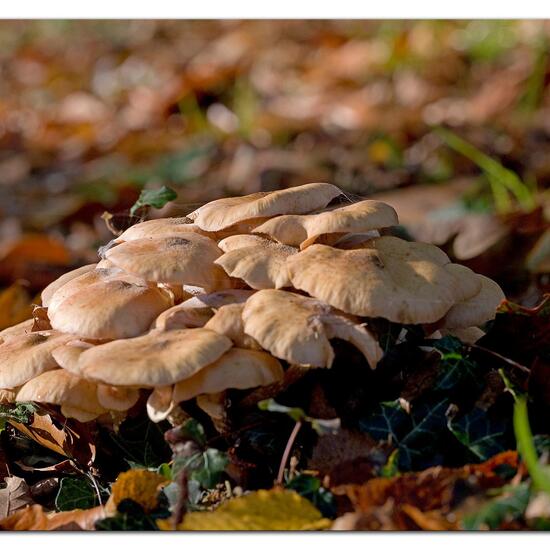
(154, 359)
(223, 213)
(67, 355)
(116, 399)
(297, 328)
(82, 282)
(21, 328)
(228, 320)
(236, 369)
(296, 230)
(110, 309)
(159, 403)
(478, 309)
(235, 242)
(388, 277)
(198, 310)
(161, 227)
(262, 265)
(77, 396)
(50, 290)
(177, 260)
(28, 355)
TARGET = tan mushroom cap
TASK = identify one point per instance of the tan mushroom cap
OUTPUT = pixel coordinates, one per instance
(50, 290)
(177, 260)
(262, 265)
(154, 359)
(388, 277)
(297, 328)
(223, 213)
(82, 282)
(161, 227)
(111, 309)
(16, 330)
(235, 242)
(159, 403)
(478, 309)
(76, 396)
(198, 310)
(67, 355)
(28, 355)
(302, 231)
(213, 404)
(236, 369)
(116, 399)
(228, 320)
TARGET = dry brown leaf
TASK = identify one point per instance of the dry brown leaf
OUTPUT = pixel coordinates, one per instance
(66, 437)
(141, 486)
(15, 305)
(14, 496)
(35, 518)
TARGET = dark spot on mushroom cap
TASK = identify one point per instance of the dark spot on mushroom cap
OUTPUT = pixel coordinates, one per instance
(176, 241)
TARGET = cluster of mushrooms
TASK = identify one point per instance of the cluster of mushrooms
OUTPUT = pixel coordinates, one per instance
(233, 296)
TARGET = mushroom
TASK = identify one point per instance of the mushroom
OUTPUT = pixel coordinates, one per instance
(82, 282)
(297, 328)
(235, 369)
(262, 265)
(7, 397)
(223, 213)
(161, 227)
(154, 359)
(27, 355)
(21, 328)
(304, 230)
(176, 260)
(67, 355)
(228, 321)
(476, 310)
(76, 396)
(50, 290)
(197, 311)
(109, 310)
(391, 278)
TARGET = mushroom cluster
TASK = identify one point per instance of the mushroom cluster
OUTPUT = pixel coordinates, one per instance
(234, 296)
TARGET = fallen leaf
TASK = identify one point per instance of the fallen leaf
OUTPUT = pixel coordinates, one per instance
(141, 486)
(273, 510)
(34, 518)
(14, 496)
(15, 305)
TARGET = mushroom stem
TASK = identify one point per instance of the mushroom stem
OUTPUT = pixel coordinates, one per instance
(288, 448)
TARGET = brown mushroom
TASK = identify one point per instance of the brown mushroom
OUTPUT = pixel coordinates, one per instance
(228, 320)
(50, 290)
(155, 359)
(161, 227)
(304, 230)
(223, 213)
(185, 259)
(297, 328)
(388, 277)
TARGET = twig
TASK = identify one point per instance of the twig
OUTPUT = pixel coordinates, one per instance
(288, 448)
(502, 358)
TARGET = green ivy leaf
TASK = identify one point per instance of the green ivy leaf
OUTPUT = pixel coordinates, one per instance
(75, 493)
(131, 517)
(414, 434)
(156, 198)
(482, 435)
(455, 367)
(310, 487)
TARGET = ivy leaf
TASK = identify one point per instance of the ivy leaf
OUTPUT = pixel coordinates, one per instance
(510, 504)
(156, 198)
(273, 510)
(206, 468)
(455, 367)
(75, 493)
(483, 436)
(21, 413)
(310, 487)
(131, 517)
(415, 434)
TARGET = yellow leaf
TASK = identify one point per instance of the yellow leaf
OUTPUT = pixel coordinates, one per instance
(273, 510)
(141, 486)
(15, 306)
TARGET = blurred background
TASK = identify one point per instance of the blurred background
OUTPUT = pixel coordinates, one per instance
(449, 121)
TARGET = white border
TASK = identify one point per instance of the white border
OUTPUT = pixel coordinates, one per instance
(279, 9)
